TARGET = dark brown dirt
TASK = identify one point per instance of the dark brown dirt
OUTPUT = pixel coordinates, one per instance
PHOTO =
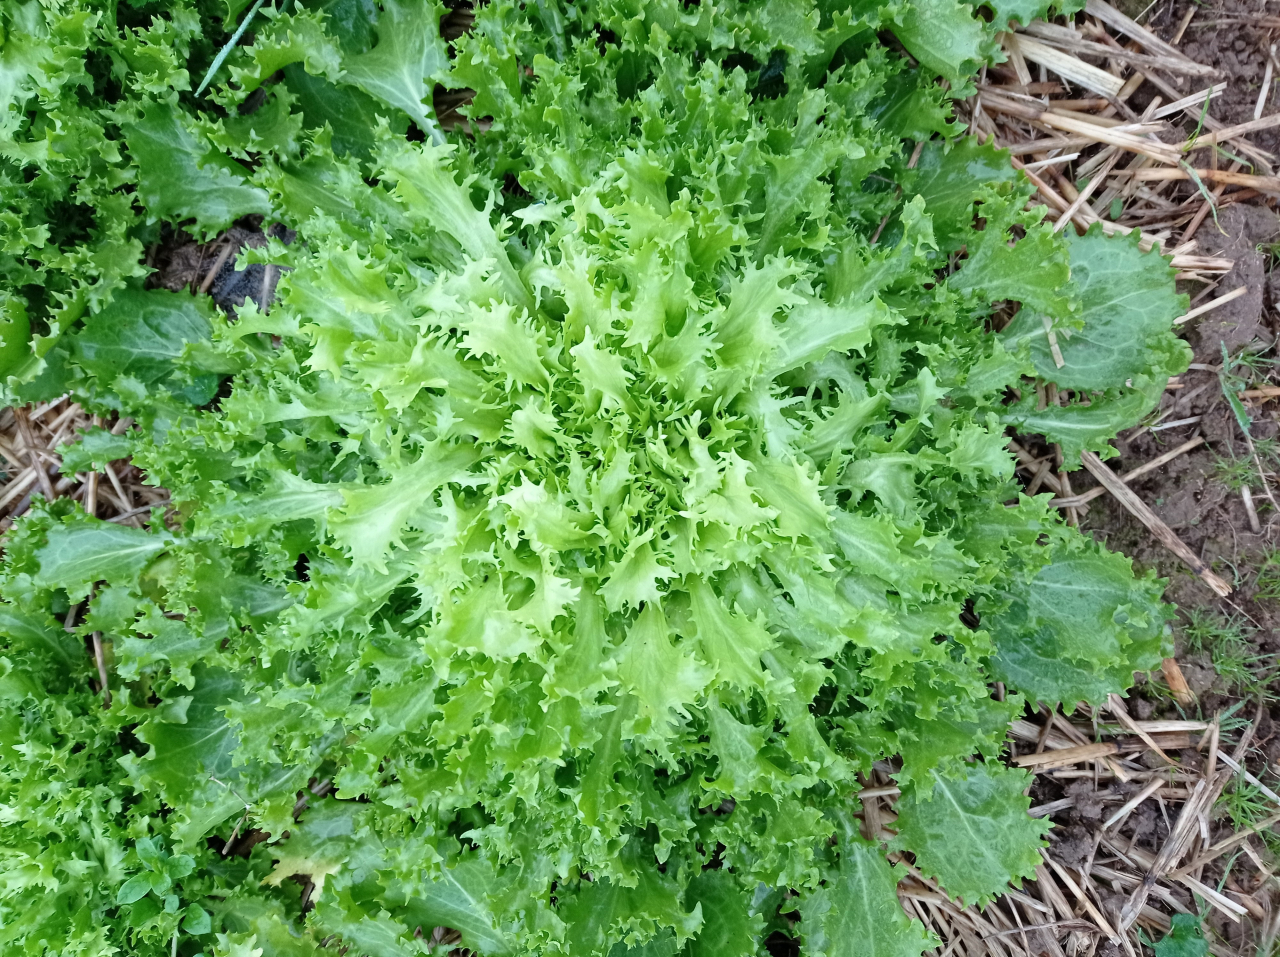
(1241, 232)
(1226, 36)
(1191, 496)
(181, 262)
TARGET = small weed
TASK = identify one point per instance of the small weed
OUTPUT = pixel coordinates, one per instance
(1245, 805)
(1256, 468)
(1272, 253)
(1234, 657)
(1255, 367)
(1267, 583)
(1185, 938)
(1205, 630)
(1235, 473)
(1233, 721)
(1268, 451)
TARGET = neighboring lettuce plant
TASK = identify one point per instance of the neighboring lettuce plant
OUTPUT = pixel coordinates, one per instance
(616, 480)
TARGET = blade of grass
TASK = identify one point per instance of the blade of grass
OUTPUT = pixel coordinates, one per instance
(230, 45)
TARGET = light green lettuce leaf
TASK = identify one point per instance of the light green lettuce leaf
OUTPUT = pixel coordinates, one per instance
(402, 65)
(665, 678)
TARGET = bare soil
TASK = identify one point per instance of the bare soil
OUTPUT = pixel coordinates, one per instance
(1226, 36)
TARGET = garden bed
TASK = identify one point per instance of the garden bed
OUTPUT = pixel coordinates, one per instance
(1162, 803)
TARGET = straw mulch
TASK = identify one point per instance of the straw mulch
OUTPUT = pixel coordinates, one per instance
(1147, 844)
(29, 439)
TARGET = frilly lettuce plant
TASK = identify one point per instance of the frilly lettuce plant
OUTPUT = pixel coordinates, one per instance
(617, 478)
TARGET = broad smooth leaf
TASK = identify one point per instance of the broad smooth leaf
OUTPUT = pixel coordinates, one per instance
(729, 929)
(350, 113)
(1078, 628)
(186, 754)
(401, 68)
(80, 554)
(1128, 306)
(459, 899)
(946, 37)
(972, 833)
(141, 334)
(950, 177)
(1077, 427)
(41, 637)
(856, 913)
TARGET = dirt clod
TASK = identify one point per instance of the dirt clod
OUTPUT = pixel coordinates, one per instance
(1088, 800)
(1075, 846)
(1238, 233)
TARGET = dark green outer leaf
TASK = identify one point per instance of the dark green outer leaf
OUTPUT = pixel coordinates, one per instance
(350, 113)
(41, 636)
(857, 912)
(728, 927)
(973, 833)
(945, 36)
(1024, 11)
(950, 178)
(1033, 271)
(1078, 628)
(184, 755)
(400, 69)
(1128, 306)
(1078, 427)
(911, 109)
(1031, 663)
(459, 899)
(1082, 595)
(180, 179)
(141, 334)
